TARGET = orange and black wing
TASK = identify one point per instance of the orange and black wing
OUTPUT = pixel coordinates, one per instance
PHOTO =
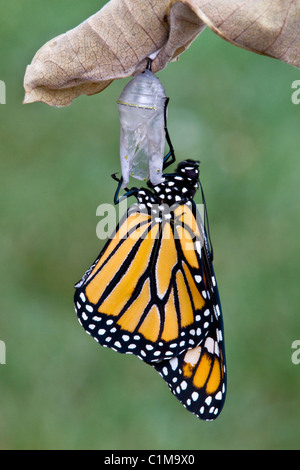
(146, 294)
(197, 377)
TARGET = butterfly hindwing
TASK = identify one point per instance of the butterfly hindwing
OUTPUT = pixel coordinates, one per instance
(197, 377)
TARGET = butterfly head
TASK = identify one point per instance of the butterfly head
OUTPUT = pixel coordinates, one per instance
(189, 169)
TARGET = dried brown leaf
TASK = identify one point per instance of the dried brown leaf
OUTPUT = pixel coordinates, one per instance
(267, 27)
(110, 44)
(113, 43)
(116, 41)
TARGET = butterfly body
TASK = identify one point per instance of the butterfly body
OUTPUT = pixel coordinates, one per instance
(152, 292)
(180, 187)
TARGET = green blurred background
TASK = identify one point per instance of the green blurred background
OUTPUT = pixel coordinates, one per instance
(232, 110)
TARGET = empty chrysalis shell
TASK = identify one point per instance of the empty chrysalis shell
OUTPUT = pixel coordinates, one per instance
(142, 139)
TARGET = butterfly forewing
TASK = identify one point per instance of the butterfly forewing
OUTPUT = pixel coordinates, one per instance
(145, 294)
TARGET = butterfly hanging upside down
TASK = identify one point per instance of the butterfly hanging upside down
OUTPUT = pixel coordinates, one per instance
(152, 292)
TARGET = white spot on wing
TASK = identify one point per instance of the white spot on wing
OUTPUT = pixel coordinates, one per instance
(183, 385)
(174, 363)
(192, 356)
(208, 400)
(210, 345)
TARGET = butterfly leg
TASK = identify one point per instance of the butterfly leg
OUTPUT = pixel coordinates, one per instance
(129, 192)
(167, 160)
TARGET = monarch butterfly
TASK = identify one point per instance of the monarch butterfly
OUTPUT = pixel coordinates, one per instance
(152, 291)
